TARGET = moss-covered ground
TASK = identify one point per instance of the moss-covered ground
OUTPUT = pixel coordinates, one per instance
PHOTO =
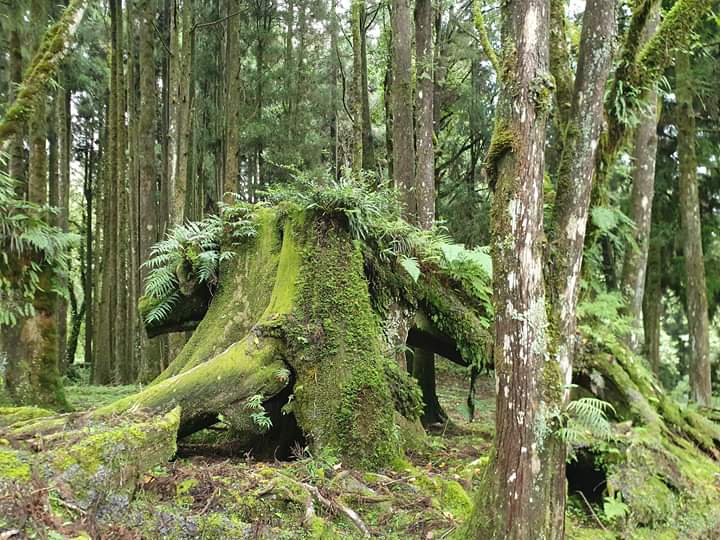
(223, 495)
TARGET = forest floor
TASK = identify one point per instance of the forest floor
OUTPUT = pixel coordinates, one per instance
(236, 496)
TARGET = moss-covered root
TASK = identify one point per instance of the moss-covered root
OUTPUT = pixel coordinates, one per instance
(223, 385)
(12, 415)
(243, 295)
(98, 464)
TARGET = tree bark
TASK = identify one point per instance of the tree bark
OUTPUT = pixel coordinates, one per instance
(148, 192)
(16, 165)
(232, 105)
(52, 49)
(653, 307)
(358, 11)
(641, 199)
(513, 504)
(425, 157)
(696, 291)
(403, 151)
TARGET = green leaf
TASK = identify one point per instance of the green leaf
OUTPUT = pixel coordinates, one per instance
(411, 266)
(604, 218)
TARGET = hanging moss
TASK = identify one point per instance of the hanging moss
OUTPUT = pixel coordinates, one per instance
(42, 67)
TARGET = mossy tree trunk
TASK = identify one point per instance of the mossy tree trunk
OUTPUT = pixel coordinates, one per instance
(643, 189)
(696, 291)
(513, 503)
(534, 355)
(292, 315)
(32, 375)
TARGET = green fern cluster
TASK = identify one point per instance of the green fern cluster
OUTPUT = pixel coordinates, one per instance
(373, 216)
(585, 419)
(31, 249)
(191, 254)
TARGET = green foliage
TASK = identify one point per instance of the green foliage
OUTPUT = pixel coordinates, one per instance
(258, 414)
(34, 254)
(614, 508)
(191, 254)
(583, 419)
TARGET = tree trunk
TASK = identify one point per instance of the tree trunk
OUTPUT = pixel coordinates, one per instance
(148, 192)
(232, 106)
(53, 45)
(641, 199)
(653, 307)
(425, 162)
(403, 151)
(513, 504)
(16, 166)
(358, 11)
(696, 291)
(368, 149)
(424, 363)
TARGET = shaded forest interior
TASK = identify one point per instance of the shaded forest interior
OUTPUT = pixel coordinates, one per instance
(321, 269)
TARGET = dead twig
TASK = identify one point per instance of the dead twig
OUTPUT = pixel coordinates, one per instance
(334, 506)
(582, 495)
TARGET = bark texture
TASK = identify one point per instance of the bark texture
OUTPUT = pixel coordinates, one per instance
(514, 503)
(696, 290)
(641, 199)
(403, 144)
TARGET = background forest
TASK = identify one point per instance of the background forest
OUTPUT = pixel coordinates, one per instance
(135, 134)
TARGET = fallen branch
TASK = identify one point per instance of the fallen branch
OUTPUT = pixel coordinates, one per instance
(334, 506)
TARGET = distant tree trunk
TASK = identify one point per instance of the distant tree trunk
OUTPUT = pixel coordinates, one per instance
(641, 199)
(89, 249)
(334, 69)
(126, 327)
(424, 362)
(425, 163)
(387, 101)
(358, 10)
(64, 123)
(184, 110)
(16, 165)
(105, 359)
(652, 307)
(133, 175)
(76, 318)
(367, 140)
(696, 291)
(403, 151)
(148, 186)
(232, 107)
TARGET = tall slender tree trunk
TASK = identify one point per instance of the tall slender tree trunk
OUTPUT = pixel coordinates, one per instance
(334, 69)
(89, 249)
(358, 11)
(184, 110)
(368, 149)
(16, 165)
(641, 199)
(65, 152)
(424, 362)
(653, 307)
(232, 107)
(105, 361)
(148, 192)
(403, 151)
(696, 291)
(425, 162)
